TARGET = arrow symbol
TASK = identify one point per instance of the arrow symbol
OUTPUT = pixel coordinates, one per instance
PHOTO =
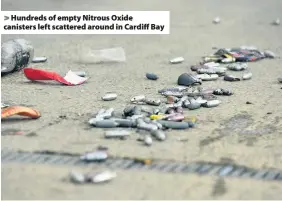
(6, 17)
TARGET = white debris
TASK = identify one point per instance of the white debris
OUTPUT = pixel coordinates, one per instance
(216, 20)
(76, 177)
(177, 60)
(109, 97)
(276, 22)
(103, 177)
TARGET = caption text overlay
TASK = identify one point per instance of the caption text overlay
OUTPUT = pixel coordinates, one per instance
(85, 22)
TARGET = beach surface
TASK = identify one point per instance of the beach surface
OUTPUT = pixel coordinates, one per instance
(246, 134)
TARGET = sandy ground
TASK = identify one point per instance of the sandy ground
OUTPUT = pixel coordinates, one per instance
(247, 134)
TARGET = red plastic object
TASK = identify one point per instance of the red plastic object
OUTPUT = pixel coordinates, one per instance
(39, 74)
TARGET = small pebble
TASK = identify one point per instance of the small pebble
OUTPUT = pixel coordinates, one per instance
(248, 103)
(151, 76)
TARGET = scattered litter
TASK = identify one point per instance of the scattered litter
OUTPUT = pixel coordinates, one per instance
(186, 79)
(138, 98)
(228, 60)
(148, 140)
(177, 60)
(248, 103)
(151, 76)
(237, 66)
(101, 177)
(269, 54)
(241, 54)
(247, 76)
(76, 177)
(208, 77)
(103, 55)
(216, 20)
(117, 133)
(196, 67)
(223, 92)
(280, 79)
(95, 156)
(39, 59)
(212, 70)
(211, 64)
(15, 55)
(177, 116)
(70, 79)
(19, 110)
(159, 135)
(192, 104)
(231, 78)
(106, 123)
(153, 102)
(109, 97)
(212, 103)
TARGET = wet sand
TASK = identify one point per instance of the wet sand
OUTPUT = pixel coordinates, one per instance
(248, 134)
